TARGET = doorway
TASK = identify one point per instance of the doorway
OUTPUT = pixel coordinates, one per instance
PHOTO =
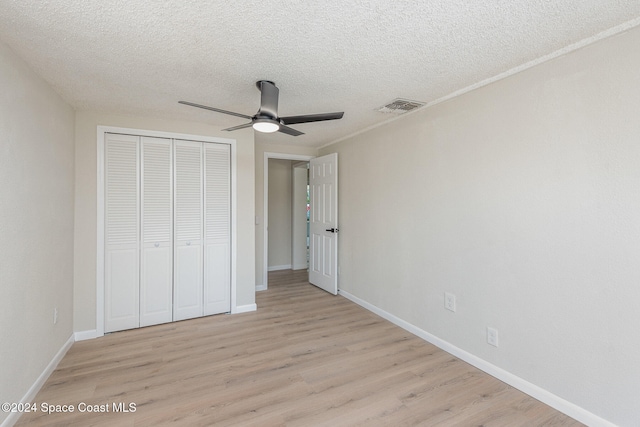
(297, 160)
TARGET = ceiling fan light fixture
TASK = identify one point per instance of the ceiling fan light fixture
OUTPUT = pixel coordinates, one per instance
(266, 126)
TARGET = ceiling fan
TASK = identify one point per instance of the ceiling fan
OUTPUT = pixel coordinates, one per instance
(266, 119)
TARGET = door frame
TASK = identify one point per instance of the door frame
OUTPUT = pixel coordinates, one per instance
(100, 195)
(299, 250)
(265, 209)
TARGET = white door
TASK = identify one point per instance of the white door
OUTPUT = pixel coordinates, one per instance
(121, 282)
(156, 268)
(188, 242)
(217, 228)
(323, 222)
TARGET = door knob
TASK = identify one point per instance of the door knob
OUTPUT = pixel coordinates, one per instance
(156, 244)
(333, 230)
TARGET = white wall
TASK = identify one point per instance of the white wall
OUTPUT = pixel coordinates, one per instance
(280, 186)
(260, 150)
(523, 199)
(36, 225)
(86, 199)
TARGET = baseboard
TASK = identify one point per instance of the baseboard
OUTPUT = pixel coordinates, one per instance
(261, 288)
(244, 308)
(37, 385)
(556, 402)
(85, 335)
(300, 267)
(279, 267)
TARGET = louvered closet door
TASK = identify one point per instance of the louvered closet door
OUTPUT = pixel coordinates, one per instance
(121, 232)
(188, 230)
(217, 278)
(156, 275)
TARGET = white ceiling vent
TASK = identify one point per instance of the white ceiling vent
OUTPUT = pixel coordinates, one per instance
(400, 106)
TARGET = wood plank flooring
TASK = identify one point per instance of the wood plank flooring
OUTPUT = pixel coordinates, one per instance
(305, 358)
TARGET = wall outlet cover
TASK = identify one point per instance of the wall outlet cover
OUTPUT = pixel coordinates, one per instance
(450, 301)
(492, 336)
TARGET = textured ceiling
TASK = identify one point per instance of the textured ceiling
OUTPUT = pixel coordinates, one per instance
(141, 57)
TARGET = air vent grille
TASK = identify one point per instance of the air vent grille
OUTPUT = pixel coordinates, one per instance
(400, 106)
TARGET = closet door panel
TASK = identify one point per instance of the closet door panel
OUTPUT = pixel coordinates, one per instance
(188, 292)
(122, 212)
(121, 290)
(188, 230)
(217, 182)
(156, 280)
(156, 290)
(217, 289)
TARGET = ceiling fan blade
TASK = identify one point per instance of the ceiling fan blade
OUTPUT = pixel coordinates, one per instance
(217, 110)
(268, 99)
(292, 120)
(289, 131)
(246, 125)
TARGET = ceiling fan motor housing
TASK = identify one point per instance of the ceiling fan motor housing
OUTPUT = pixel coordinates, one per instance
(259, 83)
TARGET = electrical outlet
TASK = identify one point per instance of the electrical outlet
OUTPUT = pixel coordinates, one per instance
(55, 315)
(450, 301)
(492, 336)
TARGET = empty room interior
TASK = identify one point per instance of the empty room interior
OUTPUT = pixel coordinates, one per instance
(299, 213)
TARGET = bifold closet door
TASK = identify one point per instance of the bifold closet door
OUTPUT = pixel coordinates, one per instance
(188, 230)
(122, 213)
(217, 246)
(156, 268)
(167, 230)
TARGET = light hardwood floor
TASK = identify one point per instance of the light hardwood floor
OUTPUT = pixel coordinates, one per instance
(305, 358)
